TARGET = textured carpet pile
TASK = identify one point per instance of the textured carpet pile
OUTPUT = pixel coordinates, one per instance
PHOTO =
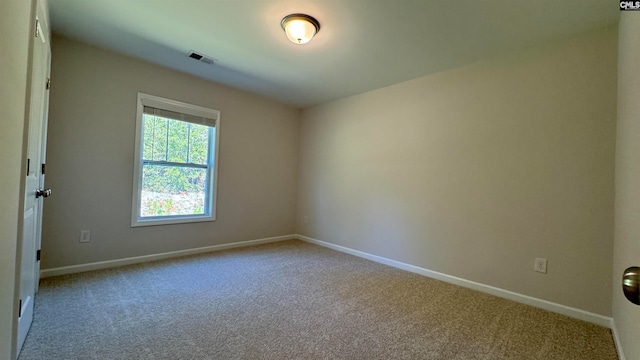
(291, 300)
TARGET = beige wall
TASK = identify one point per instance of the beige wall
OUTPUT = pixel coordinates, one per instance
(476, 171)
(90, 159)
(627, 194)
(15, 20)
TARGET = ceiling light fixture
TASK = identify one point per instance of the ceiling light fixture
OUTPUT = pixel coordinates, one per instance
(300, 28)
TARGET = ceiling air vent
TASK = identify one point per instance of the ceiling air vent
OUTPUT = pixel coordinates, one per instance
(205, 59)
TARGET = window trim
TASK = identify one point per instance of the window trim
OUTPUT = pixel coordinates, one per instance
(181, 107)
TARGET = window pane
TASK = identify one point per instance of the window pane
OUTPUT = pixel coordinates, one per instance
(178, 141)
(174, 141)
(172, 190)
(158, 148)
(147, 141)
(199, 144)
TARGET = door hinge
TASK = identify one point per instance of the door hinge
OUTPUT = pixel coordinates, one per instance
(28, 165)
(20, 309)
(43, 169)
(37, 27)
(38, 253)
(48, 85)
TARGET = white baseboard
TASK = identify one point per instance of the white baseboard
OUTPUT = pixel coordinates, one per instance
(616, 340)
(525, 299)
(145, 258)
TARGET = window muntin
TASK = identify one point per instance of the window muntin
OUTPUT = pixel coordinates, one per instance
(176, 162)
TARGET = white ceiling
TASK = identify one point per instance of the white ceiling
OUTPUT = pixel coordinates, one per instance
(362, 45)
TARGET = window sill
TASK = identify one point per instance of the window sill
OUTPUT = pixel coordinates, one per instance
(170, 220)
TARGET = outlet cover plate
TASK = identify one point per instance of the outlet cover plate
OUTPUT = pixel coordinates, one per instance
(85, 236)
(540, 265)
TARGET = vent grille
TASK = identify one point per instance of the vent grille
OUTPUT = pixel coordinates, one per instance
(205, 59)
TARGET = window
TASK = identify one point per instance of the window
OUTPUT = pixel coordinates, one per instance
(176, 158)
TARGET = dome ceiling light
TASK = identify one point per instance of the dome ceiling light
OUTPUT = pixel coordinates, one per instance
(300, 28)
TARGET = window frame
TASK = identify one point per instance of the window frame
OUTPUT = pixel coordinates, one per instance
(214, 152)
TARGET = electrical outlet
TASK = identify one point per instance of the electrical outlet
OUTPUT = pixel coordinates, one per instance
(305, 220)
(85, 236)
(540, 265)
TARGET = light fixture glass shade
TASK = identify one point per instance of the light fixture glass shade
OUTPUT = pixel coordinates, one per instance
(300, 28)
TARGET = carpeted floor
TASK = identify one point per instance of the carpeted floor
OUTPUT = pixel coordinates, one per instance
(291, 300)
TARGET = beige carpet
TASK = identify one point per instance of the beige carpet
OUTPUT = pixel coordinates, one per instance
(291, 300)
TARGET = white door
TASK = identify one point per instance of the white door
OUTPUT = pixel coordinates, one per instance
(43, 158)
(34, 193)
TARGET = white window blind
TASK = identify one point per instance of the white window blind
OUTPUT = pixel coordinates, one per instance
(180, 116)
